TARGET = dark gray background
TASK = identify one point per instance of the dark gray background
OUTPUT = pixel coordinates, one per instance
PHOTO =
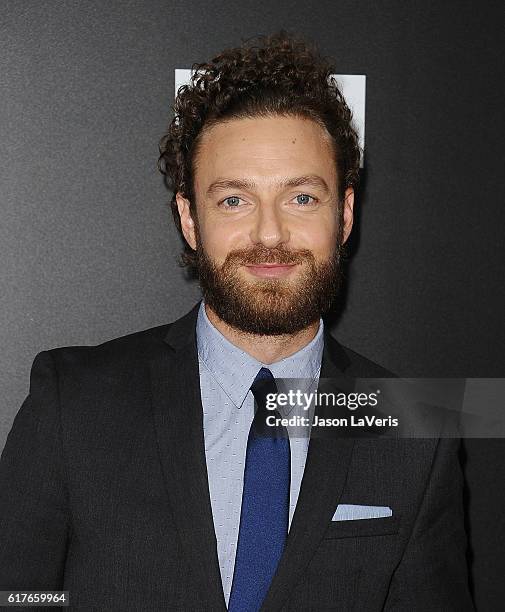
(87, 246)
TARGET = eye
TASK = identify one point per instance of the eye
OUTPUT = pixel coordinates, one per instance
(303, 199)
(231, 202)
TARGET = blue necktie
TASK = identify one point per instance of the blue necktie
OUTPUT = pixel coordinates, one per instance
(265, 504)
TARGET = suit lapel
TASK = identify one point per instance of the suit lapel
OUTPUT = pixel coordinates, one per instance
(178, 421)
(322, 484)
(178, 418)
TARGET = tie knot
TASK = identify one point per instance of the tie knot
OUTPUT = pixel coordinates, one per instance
(263, 374)
(262, 387)
(263, 384)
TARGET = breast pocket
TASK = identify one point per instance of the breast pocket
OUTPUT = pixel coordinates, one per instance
(388, 525)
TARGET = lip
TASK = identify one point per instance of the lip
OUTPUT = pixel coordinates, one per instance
(271, 270)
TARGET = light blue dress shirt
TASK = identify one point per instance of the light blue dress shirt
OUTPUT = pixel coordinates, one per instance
(226, 375)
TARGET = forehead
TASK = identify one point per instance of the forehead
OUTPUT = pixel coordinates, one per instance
(264, 148)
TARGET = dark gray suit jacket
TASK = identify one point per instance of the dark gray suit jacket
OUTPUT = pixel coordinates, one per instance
(103, 492)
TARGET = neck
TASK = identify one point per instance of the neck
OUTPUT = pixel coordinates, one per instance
(267, 349)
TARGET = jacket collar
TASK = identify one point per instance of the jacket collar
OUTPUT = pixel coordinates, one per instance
(183, 333)
(177, 412)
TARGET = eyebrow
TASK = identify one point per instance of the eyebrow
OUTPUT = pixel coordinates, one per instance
(310, 179)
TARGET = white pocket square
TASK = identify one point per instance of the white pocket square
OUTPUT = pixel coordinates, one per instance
(352, 512)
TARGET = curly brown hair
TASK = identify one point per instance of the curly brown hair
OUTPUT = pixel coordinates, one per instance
(268, 75)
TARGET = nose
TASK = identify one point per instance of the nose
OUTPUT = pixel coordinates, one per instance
(269, 228)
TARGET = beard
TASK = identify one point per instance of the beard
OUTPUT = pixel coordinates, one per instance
(270, 307)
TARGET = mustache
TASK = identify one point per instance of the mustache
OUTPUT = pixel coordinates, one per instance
(260, 255)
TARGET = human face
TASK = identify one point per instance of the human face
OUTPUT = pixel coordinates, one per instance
(269, 224)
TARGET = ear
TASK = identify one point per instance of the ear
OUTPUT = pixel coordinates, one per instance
(187, 222)
(348, 212)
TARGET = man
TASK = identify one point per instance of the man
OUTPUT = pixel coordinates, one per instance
(135, 476)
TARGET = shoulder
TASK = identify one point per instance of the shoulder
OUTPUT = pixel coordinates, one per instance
(91, 380)
(361, 366)
(136, 347)
(350, 362)
(118, 357)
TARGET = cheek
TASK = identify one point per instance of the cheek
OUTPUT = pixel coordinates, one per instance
(320, 238)
(219, 239)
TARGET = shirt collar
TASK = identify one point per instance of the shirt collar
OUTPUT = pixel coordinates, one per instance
(235, 370)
